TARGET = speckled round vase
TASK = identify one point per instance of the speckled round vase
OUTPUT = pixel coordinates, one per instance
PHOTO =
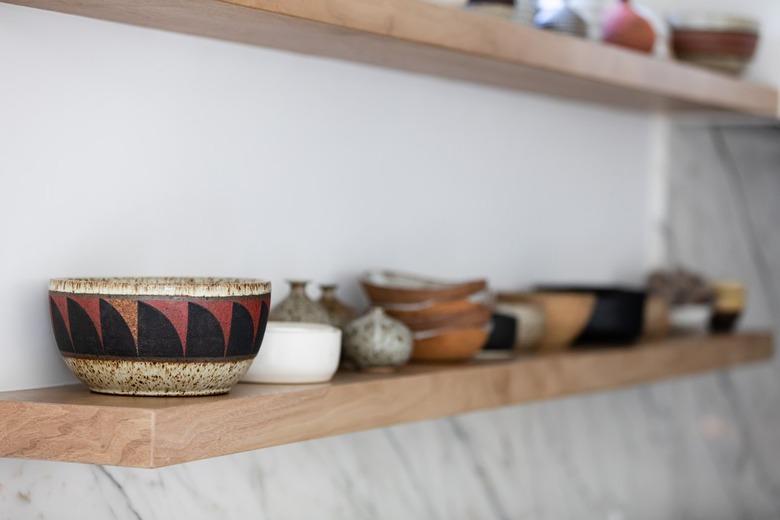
(159, 336)
(339, 313)
(376, 341)
(298, 307)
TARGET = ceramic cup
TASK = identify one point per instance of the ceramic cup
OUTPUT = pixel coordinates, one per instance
(296, 353)
(159, 336)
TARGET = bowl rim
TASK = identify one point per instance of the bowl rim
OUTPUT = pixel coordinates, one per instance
(713, 22)
(195, 286)
(298, 327)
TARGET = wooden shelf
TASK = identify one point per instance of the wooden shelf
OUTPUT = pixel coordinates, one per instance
(417, 36)
(71, 424)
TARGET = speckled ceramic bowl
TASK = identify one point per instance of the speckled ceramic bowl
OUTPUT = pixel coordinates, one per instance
(159, 336)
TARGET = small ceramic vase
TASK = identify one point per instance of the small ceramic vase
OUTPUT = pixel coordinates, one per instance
(339, 313)
(563, 19)
(376, 341)
(299, 307)
(624, 27)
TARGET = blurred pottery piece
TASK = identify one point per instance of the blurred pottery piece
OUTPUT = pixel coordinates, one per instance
(617, 316)
(720, 42)
(439, 310)
(376, 341)
(450, 344)
(298, 307)
(476, 316)
(624, 27)
(516, 325)
(387, 287)
(449, 3)
(728, 306)
(159, 336)
(499, 8)
(656, 318)
(690, 318)
(339, 313)
(565, 315)
(562, 19)
(296, 353)
(525, 10)
(592, 11)
(680, 286)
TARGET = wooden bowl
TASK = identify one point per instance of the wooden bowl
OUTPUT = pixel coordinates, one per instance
(565, 315)
(387, 287)
(159, 336)
(617, 316)
(450, 344)
(470, 315)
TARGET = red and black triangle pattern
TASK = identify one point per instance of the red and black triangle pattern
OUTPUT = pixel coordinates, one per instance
(159, 327)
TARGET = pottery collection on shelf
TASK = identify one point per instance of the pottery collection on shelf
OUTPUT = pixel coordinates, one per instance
(200, 336)
(721, 42)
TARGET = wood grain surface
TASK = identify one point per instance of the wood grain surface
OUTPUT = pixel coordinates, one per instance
(420, 37)
(71, 424)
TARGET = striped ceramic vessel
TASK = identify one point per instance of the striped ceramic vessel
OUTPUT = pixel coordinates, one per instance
(159, 336)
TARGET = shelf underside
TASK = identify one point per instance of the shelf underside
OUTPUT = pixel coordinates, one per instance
(420, 37)
(71, 424)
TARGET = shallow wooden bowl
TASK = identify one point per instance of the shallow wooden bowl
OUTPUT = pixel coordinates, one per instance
(471, 315)
(387, 287)
(450, 344)
(159, 336)
(566, 315)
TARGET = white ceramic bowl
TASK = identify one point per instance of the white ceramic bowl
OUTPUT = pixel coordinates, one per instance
(690, 318)
(296, 353)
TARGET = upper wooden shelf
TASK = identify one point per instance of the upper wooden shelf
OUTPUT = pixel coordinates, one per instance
(71, 424)
(421, 37)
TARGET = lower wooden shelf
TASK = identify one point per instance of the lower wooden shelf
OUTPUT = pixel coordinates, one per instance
(69, 423)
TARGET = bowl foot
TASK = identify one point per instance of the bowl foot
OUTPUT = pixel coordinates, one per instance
(149, 377)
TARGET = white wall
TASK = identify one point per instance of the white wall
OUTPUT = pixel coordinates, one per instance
(130, 151)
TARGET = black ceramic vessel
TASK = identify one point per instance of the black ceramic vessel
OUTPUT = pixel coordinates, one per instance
(617, 317)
